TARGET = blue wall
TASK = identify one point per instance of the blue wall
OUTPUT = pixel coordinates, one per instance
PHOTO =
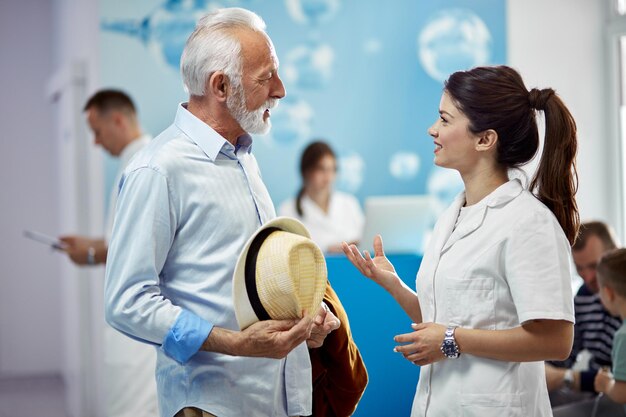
(362, 74)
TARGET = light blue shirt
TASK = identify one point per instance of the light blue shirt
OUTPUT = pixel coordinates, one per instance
(188, 202)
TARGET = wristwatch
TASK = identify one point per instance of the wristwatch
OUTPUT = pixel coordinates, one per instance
(449, 348)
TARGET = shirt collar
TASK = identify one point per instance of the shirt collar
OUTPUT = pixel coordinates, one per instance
(206, 137)
(501, 195)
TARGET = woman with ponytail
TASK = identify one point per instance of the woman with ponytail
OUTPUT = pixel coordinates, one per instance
(331, 216)
(493, 298)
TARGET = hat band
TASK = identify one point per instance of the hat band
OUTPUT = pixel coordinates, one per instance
(250, 273)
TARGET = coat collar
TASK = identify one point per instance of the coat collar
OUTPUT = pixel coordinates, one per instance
(499, 197)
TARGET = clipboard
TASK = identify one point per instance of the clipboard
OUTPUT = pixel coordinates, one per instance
(51, 241)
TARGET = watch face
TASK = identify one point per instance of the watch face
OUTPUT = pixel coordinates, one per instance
(450, 349)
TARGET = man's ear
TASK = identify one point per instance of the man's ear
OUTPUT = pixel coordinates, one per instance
(218, 85)
(610, 293)
(118, 118)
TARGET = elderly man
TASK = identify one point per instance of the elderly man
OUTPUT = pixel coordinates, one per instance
(187, 204)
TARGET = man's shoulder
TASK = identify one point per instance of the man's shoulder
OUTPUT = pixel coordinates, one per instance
(161, 152)
(584, 291)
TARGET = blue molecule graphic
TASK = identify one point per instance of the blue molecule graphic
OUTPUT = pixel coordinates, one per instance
(165, 30)
(309, 66)
(312, 12)
(444, 184)
(291, 121)
(453, 40)
(351, 170)
(404, 165)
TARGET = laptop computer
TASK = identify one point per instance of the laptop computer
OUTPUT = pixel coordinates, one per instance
(405, 222)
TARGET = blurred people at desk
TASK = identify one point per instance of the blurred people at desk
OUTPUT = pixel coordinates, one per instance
(595, 325)
(331, 216)
(129, 366)
(493, 296)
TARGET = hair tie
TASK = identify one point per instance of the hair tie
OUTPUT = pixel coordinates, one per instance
(538, 98)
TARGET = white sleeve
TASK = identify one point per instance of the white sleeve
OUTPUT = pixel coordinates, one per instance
(537, 263)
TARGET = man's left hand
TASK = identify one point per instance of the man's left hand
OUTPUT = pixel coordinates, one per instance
(324, 323)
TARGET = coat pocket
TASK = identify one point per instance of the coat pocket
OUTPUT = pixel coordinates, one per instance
(491, 405)
(470, 302)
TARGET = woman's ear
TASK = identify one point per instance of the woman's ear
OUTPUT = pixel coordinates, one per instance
(487, 140)
(217, 86)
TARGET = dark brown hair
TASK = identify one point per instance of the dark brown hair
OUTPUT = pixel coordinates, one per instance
(595, 228)
(107, 100)
(311, 156)
(496, 98)
(612, 271)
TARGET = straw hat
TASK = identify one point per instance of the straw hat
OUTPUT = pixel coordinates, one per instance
(279, 273)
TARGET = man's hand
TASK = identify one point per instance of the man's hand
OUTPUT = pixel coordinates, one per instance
(603, 381)
(77, 248)
(265, 339)
(554, 377)
(324, 323)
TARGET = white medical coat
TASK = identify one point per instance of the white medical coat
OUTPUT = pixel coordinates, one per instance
(507, 262)
(129, 365)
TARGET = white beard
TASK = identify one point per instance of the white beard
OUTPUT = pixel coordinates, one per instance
(251, 121)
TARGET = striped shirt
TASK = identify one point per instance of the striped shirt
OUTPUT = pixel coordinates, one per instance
(188, 203)
(594, 332)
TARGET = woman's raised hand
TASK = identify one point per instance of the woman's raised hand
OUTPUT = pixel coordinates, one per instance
(378, 269)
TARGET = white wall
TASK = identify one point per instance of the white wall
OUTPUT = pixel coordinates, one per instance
(30, 309)
(560, 44)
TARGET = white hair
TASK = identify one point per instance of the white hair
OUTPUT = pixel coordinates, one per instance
(213, 47)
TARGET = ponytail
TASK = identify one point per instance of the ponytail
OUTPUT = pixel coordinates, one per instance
(496, 98)
(556, 181)
(299, 202)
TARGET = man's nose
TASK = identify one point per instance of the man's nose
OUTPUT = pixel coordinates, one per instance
(279, 88)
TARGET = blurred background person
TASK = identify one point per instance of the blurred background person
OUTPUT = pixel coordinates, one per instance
(129, 366)
(330, 215)
(612, 282)
(595, 326)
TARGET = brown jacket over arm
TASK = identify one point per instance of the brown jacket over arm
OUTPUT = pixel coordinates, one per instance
(339, 374)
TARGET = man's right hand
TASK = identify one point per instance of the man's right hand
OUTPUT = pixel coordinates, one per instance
(78, 247)
(266, 339)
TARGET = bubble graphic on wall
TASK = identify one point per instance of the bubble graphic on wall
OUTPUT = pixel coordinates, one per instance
(444, 185)
(164, 31)
(308, 66)
(291, 121)
(372, 46)
(351, 168)
(404, 165)
(453, 40)
(312, 12)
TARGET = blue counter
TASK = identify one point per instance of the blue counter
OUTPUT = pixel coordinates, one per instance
(375, 319)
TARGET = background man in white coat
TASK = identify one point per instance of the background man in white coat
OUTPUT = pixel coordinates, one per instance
(129, 366)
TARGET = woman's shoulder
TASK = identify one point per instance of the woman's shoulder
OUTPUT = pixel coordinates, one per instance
(288, 208)
(345, 197)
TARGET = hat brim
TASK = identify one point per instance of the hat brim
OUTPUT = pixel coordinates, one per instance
(243, 309)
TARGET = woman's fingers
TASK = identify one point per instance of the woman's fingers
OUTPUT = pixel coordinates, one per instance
(378, 246)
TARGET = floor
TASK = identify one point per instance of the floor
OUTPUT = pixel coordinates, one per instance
(32, 397)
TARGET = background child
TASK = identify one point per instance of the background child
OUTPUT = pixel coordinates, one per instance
(612, 279)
